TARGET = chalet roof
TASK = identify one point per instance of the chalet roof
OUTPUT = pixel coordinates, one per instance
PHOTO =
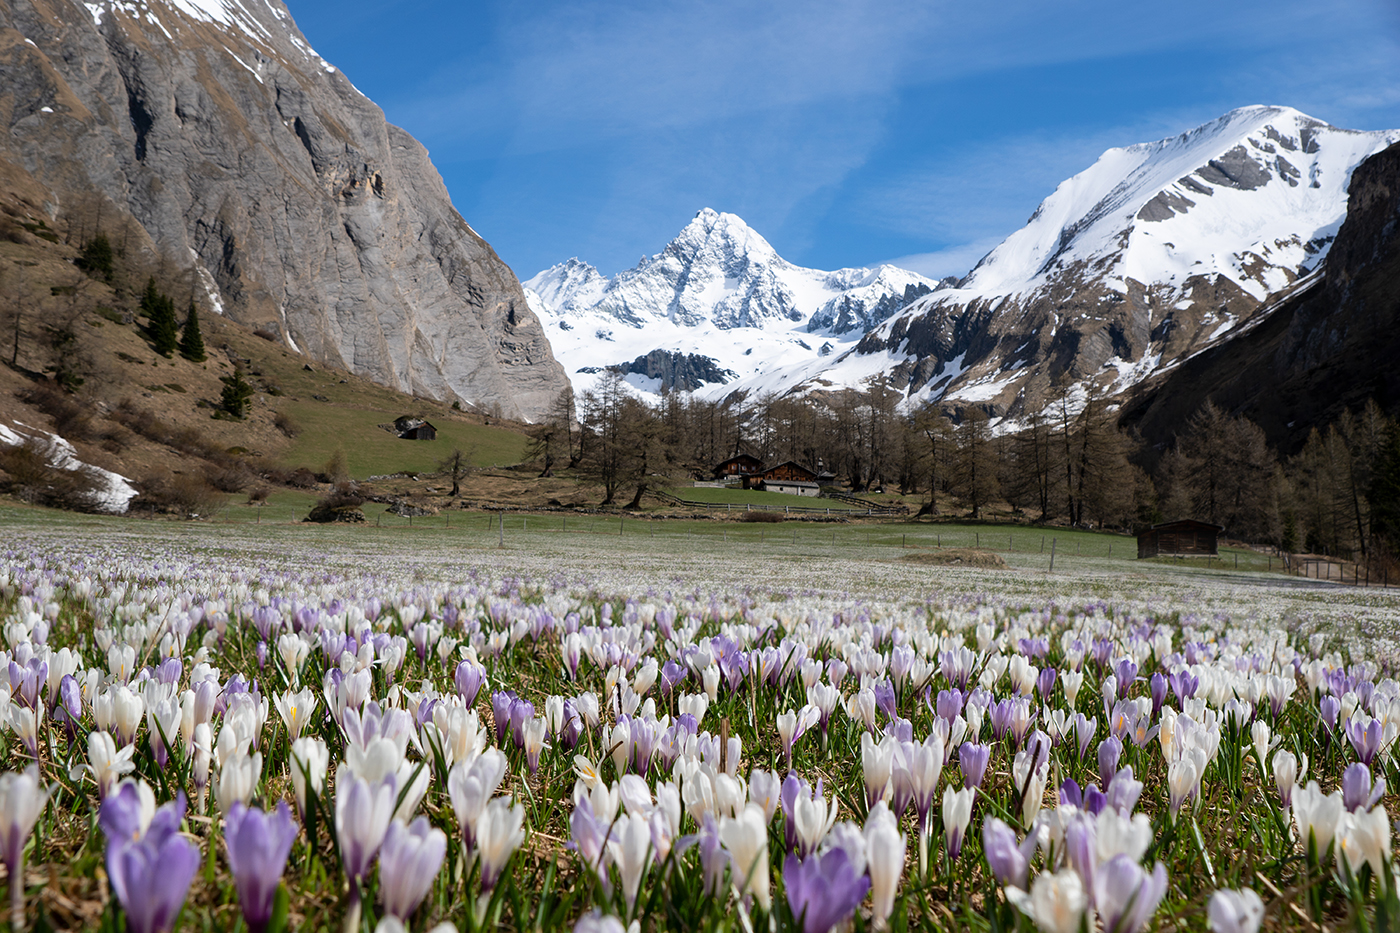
(791, 463)
(1187, 524)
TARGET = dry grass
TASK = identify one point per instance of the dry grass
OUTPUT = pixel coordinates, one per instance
(958, 557)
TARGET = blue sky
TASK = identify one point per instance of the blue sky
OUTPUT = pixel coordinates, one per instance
(848, 132)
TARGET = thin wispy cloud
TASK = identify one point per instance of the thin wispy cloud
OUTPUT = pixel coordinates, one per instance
(845, 131)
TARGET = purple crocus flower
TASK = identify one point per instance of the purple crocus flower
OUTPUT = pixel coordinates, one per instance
(972, 761)
(1109, 751)
(169, 671)
(1357, 790)
(1125, 895)
(1126, 672)
(501, 703)
(468, 680)
(901, 728)
(1045, 683)
(1001, 718)
(151, 874)
(885, 699)
(672, 674)
(1184, 685)
(1071, 794)
(521, 712)
(258, 846)
(793, 786)
(1094, 800)
(823, 891)
(1366, 740)
(712, 855)
(572, 727)
(1123, 791)
(1081, 849)
(1158, 688)
(950, 704)
(1009, 861)
(1330, 708)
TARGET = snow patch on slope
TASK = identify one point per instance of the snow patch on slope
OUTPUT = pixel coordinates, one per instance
(114, 491)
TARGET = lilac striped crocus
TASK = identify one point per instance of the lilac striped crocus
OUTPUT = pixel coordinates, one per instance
(468, 680)
(258, 846)
(972, 761)
(1358, 794)
(1365, 738)
(823, 891)
(1110, 749)
(409, 861)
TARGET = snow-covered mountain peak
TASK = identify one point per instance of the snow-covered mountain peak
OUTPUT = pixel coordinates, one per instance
(718, 291)
(1248, 195)
(566, 284)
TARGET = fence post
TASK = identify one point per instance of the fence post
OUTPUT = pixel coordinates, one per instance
(1042, 544)
(501, 528)
(1052, 555)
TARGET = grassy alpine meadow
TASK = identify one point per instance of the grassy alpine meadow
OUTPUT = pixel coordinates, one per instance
(622, 725)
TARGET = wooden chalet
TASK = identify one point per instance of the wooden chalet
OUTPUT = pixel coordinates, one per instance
(788, 477)
(409, 428)
(740, 466)
(1185, 538)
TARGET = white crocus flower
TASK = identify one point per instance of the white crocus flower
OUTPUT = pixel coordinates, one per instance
(1056, 902)
(745, 837)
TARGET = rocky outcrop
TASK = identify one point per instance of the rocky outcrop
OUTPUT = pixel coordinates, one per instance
(235, 148)
(675, 370)
(1331, 346)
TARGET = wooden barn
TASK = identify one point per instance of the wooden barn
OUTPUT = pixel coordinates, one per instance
(1185, 538)
(409, 428)
(740, 466)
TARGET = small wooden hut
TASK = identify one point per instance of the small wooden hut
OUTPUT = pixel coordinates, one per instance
(1185, 538)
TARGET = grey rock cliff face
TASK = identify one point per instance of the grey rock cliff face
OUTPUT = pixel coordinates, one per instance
(234, 146)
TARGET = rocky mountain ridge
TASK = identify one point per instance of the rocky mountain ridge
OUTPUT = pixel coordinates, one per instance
(1329, 347)
(220, 144)
(1152, 254)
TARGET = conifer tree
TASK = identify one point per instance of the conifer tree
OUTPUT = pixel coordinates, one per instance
(191, 340)
(160, 314)
(97, 258)
(236, 394)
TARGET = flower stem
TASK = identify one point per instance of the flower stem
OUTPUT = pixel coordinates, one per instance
(17, 893)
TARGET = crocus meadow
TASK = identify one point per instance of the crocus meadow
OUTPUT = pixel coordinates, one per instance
(195, 738)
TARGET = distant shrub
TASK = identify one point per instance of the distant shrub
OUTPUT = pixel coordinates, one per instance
(287, 424)
(232, 478)
(70, 419)
(766, 518)
(187, 495)
(341, 505)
